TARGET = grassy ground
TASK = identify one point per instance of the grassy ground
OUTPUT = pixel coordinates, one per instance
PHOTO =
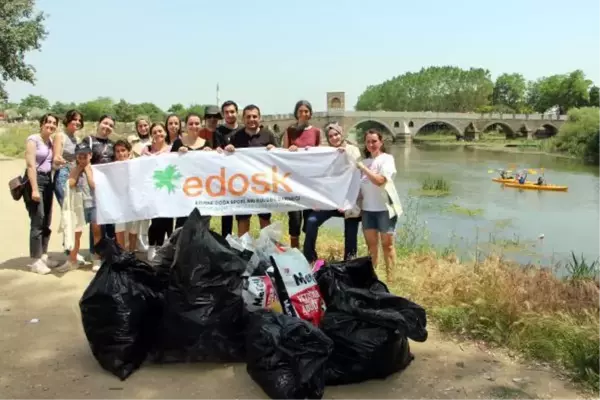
(13, 136)
(526, 309)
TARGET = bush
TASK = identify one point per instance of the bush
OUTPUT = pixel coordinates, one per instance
(580, 135)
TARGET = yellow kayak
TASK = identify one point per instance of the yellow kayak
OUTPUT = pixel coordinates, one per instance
(533, 186)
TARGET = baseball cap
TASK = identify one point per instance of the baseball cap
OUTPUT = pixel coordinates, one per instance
(82, 148)
(212, 110)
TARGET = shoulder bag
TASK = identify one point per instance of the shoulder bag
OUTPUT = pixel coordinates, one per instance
(17, 184)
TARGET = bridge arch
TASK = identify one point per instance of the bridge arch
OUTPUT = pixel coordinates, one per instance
(508, 131)
(546, 131)
(377, 121)
(440, 122)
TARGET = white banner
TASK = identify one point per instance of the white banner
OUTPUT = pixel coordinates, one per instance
(248, 181)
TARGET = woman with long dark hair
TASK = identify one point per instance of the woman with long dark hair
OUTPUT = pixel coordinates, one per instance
(300, 135)
(159, 227)
(39, 192)
(190, 142)
(174, 128)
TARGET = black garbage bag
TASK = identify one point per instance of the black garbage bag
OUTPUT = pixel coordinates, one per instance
(165, 256)
(205, 317)
(121, 310)
(286, 356)
(356, 273)
(369, 330)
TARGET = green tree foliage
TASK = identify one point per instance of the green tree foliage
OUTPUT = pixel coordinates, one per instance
(509, 90)
(594, 99)
(580, 134)
(452, 89)
(93, 110)
(32, 101)
(565, 91)
(21, 31)
(124, 111)
(431, 89)
(150, 110)
(60, 109)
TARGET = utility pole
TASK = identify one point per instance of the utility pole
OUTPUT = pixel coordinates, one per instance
(217, 94)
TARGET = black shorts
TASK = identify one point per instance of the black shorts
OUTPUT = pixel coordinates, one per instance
(247, 216)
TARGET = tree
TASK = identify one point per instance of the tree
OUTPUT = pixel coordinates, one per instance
(176, 108)
(150, 110)
(61, 109)
(32, 101)
(196, 109)
(594, 98)
(124, 111)
(509, 90)
(93, 110)
(21, 31)
(444, 89)
(580, 134)
(565, 91)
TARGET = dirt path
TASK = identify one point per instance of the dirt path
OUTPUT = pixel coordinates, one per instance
(44, 353)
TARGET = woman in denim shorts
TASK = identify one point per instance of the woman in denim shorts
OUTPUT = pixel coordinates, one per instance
(380, 202)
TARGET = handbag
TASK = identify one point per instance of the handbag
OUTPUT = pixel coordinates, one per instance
(17, 184)
(17, 187)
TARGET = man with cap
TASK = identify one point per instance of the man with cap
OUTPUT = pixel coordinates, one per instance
(212, 115)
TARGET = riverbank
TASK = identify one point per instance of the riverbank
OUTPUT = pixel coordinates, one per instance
(491, 301)
(528, 310)
(519, 146)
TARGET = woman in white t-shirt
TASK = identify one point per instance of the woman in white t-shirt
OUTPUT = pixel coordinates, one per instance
(380, 202)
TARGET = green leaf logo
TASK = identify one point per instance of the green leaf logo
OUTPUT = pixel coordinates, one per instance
(166, 178)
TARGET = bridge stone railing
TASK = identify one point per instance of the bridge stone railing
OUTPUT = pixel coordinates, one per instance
(422, 115)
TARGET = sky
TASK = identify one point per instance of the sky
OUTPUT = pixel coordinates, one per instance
(275, 52)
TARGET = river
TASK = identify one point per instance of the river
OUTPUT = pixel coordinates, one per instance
(481, 216)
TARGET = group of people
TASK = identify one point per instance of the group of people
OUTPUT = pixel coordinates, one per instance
(59, 164)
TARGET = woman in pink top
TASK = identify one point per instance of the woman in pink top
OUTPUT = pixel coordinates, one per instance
(39, 191)
(300, 135)
(160, 227)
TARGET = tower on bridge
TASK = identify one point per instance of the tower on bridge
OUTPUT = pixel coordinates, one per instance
(336, 101)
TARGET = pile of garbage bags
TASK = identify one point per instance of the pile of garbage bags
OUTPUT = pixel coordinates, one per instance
(208, 298)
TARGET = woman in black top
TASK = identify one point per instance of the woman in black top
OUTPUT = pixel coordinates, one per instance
(190, 142)
(103, 152)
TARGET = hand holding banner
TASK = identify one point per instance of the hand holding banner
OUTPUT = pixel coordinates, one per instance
(249, 181)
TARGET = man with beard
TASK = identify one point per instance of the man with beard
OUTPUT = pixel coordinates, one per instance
(229, 111)
(252, 135)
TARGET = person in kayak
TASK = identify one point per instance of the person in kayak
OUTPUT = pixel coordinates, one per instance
(504, 175)
(540, 181)
(522, 177)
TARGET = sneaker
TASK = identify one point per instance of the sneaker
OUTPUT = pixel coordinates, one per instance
(96, 265)
(80, 259)
(151, 253)
(49, 263)
(67, 266)
(40, 267)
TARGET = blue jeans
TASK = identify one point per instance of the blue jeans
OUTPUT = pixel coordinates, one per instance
(61, 176)
(316, 219)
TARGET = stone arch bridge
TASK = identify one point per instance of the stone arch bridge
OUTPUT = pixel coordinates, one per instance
(406, 125)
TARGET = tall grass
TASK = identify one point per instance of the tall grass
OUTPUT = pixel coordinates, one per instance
(526, 308)
(13, 136)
